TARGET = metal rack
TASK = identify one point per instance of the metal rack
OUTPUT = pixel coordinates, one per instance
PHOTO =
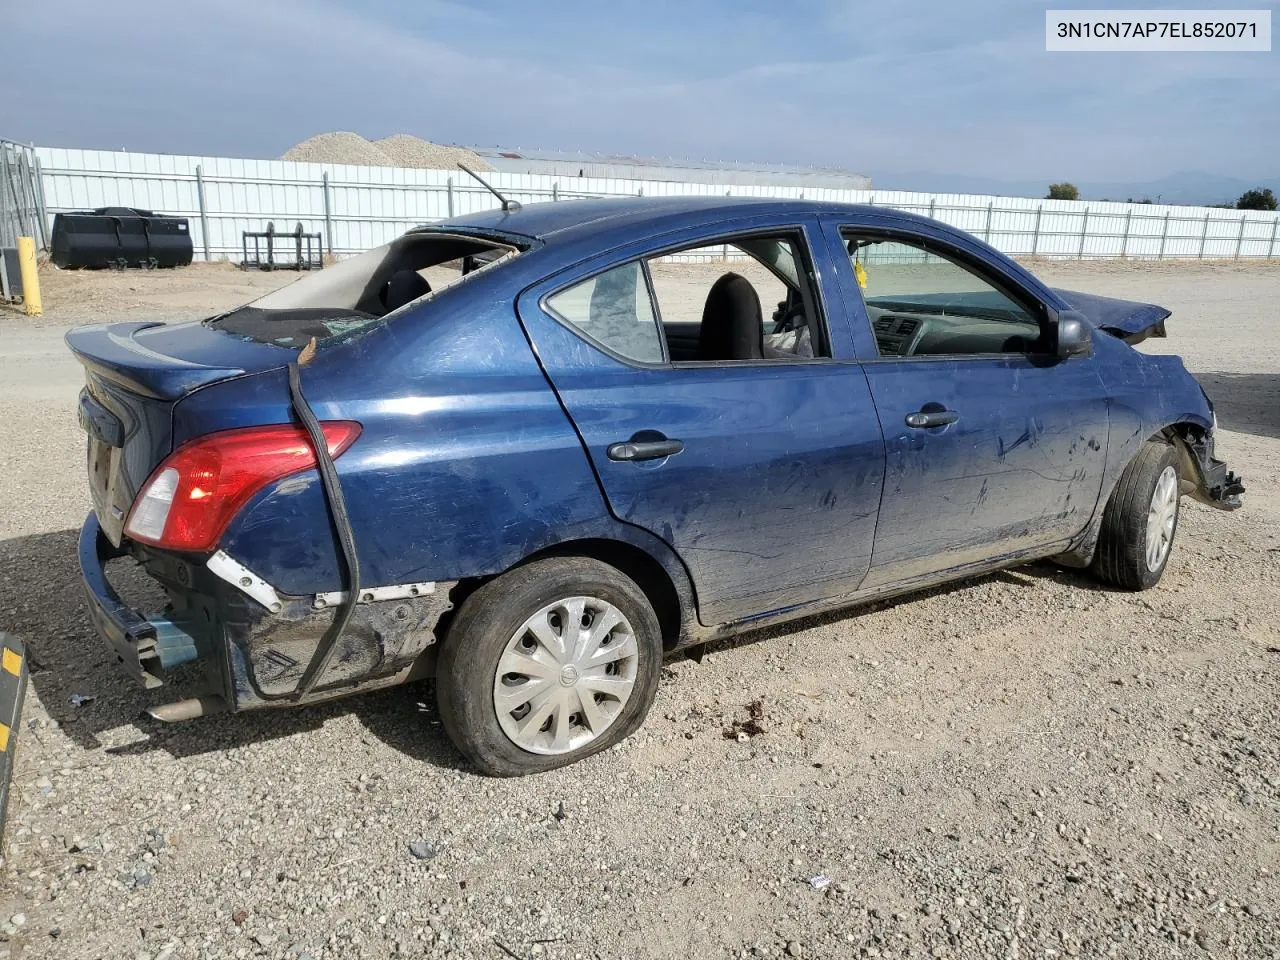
(306, 249)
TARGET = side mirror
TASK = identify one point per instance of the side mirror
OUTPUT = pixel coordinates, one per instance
(1074, 335)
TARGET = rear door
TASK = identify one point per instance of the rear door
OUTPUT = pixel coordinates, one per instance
(994, 446)
(764, 475)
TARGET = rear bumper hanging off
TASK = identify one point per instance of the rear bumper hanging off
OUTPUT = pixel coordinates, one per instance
(144, 647)
(254, 641)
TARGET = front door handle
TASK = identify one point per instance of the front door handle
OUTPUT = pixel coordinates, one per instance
(932, 416)
(645, 449)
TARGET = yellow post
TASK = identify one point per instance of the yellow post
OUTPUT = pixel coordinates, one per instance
(30, 278)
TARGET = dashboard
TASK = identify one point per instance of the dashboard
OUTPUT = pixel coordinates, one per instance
(901, 333)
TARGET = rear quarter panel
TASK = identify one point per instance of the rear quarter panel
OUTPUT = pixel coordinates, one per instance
(466, 463)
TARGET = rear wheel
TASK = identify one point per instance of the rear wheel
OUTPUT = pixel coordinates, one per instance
(548, 664)
(1140, 520)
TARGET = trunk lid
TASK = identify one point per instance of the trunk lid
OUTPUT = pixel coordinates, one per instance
(1129, 320)
(135, 373)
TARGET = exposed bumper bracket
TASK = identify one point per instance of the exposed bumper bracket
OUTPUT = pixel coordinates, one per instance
(1219, 487)
(245, 580)
(398, 591)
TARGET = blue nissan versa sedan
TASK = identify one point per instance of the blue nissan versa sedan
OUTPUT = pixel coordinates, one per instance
(590, 445)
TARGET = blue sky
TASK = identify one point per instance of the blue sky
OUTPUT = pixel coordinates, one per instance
(896, 89)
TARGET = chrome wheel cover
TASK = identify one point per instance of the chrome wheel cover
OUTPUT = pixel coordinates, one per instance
(565, 675)
(1162, 517)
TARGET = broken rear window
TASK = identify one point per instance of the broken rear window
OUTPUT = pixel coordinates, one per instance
(351, 296)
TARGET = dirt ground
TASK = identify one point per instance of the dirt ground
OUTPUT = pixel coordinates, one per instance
(1022, 765)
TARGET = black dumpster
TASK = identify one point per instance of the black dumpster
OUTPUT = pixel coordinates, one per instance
(120, 237)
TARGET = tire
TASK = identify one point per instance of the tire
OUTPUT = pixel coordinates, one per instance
(492, 643)
(1125, 557)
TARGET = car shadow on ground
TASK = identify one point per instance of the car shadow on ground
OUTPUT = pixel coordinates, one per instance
(1023, 576)
(1245, 402)
(42, 602)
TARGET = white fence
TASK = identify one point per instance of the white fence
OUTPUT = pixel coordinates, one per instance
(356, 208)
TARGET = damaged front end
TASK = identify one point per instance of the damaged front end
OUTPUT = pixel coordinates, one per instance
(256, 643)
(1215, 485)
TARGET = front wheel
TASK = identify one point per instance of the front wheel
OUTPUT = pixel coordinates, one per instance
(1140, 520)
(548, 664)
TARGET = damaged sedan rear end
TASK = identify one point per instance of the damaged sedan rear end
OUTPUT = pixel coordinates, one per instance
(201, 469)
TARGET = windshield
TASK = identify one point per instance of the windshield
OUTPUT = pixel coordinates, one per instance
(355, 294)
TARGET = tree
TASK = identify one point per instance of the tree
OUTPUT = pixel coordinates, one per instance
(1063, 191)
(1260, 198)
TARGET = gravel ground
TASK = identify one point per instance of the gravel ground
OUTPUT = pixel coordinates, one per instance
(1023, 765)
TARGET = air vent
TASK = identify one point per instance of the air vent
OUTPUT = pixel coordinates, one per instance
(908, 327)
(883, 324)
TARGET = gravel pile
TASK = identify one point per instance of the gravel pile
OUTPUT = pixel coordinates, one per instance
(341, 147)
(1020, 767)
(409, 151)
(401, 150)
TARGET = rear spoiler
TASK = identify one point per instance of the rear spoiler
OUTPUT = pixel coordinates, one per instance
(1128, 320)
(110, 351)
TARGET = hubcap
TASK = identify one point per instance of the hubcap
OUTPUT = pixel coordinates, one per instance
(565, 675)
(1162, 518)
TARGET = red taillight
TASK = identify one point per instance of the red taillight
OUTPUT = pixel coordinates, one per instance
(189, 499)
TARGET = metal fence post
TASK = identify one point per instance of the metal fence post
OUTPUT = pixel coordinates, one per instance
(1164, 236)
(555, 191)
(328, 213)
(932, 206)
(1240, 236)
(18, 226)
(204, 212)
(448, 186)
(21, 189)
(1035, 234)
(1203, 234)
(40, 204)
(1124, 243)
(1084, 230)
(1271, 247)
(986, 231)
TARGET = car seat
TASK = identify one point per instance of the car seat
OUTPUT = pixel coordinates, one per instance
(405, 286)
(732, 323)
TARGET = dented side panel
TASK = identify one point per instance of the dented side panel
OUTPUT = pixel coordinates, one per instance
(1018, 473)
(1020, 469)
(1148, 393)
(772, 501)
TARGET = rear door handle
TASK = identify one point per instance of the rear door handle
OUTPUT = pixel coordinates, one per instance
(932, 418)
(645, 449)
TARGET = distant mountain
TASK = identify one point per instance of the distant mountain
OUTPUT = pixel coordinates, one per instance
(1178, 188)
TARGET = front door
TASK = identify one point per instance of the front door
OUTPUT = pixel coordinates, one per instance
(994, 446)
(745, 445)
